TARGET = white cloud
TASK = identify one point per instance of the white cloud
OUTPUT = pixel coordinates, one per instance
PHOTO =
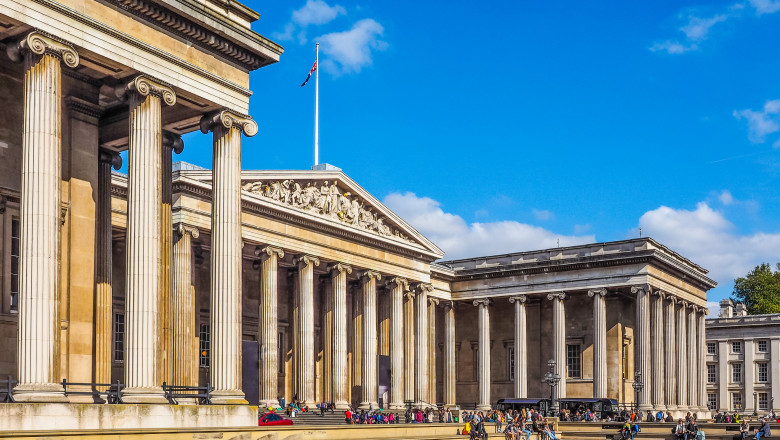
(765, 6)
(286, 34)
(714, 308)
(761, 122)
(316, 12)
(672, 47)
(698, 28)
(543, 214)
(461, 240)
(726, 198)
(706, 237)
(351, 50)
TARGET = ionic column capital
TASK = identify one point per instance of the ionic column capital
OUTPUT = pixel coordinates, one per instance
(601, 292)
(110, 157)
(482, 302)
(307, 260)
(401, 282)
(672, 299)
(433, 301)
(228, 119)
(268, 251)
(41, 43)
(339, 268)
(369, 275)
(519, 298)
(448, 305)
(556, 295)
(173, 141)
(421, 288)
(182, 229)
(643, 288)
(144, 85)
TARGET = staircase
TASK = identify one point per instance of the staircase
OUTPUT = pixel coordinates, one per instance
(313, 418)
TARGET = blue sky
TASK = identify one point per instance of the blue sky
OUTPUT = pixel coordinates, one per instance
(507, 126)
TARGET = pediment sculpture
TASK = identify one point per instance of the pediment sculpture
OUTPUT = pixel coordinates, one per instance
(328, 200)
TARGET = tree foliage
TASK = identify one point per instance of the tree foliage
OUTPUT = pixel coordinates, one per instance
(759, 290)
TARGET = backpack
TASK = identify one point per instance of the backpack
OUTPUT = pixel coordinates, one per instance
(700, 435)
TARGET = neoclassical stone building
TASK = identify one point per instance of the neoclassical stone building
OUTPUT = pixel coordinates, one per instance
(268, 285)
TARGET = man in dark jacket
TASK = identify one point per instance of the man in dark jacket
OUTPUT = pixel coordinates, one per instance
(691, 429)
(763, 430)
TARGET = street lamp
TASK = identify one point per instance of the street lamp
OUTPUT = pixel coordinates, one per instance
(638, 385)
(755, 403)
(552, 379)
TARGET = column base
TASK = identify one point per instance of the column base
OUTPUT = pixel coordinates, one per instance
(483, 407)
(397, 405)
(144, 395)
(644, 407)
(228, 397)
(40, 393)
(368, 405)
(341, 404)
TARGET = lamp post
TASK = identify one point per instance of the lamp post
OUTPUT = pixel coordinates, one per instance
(638, 386)
(755, 403)
(552, 380)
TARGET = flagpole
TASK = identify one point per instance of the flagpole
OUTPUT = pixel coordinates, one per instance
(317, 106)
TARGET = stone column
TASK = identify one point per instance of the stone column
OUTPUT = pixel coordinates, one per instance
(357, 345)
(409, 341)
(369, 371)
(226, 243)
(657, 343)
(399, 286)
(693, 364)
(269, 325)
(421, 347)
(701, 343)
(103, 265)
(184, 314)
(559, 341)
(338, 276)
(682, 371)
(483, 369)
(642, 337)
(432, 303)
(670, 360)
(521, 361)
(327, 340)
(171, 143)
(304, 370)
(39, 326)
(144, 201)
(599, 342)
(450, 379)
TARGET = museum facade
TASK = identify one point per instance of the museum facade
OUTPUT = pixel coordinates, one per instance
(269, 286)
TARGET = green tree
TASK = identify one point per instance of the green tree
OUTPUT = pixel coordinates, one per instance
(759, 290)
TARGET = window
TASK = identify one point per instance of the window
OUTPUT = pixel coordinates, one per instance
(119, 337)
(204, 345)
(736, 401)
(511, 358)
(573, 361)
(736, 373)
(712, 401)
(763, 346)
(763, 401)
(763, 372)
(712, 348)
(712, 375)
(15, 229)
(736, 347)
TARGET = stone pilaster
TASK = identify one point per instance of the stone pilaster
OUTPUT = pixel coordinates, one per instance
(409, 341)
(39, 328)
(225, 296)
(682, 371)
(399, 287)
(338, 273)
(269, 325)
(184, 359)
(559, 341)
(103, 266)
(692, 362)
(144, 201)
(599, 342)
(304, 370)
(369, 370)
(657, 344)
(421, 346)
(483, 369)
(450, 378)
(670, 381)
(642, 356)
(521, 361)
(432, 303)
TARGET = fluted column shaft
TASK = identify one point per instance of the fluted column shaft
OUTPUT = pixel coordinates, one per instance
(599, 342)
(657, 343)
(226, 243)
(642, 358)
(483, 369)
(357, 345)
(682, 370)
(398, 286)
(269, 326)
(184, 358)
(409, 341)
(305, 358)
(671, 357)
(432, 303)
(103, 267)
(369, 371)
(38, 340)
(450, 380)
(559, 341)
(693, 364)
(701, 344)
(339, 274)
(521, 362)
(327, 341)
(144, 201)
(421, 347)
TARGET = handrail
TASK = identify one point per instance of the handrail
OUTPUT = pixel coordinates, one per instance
(9, 389)
(173, 392)
(113, 392)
